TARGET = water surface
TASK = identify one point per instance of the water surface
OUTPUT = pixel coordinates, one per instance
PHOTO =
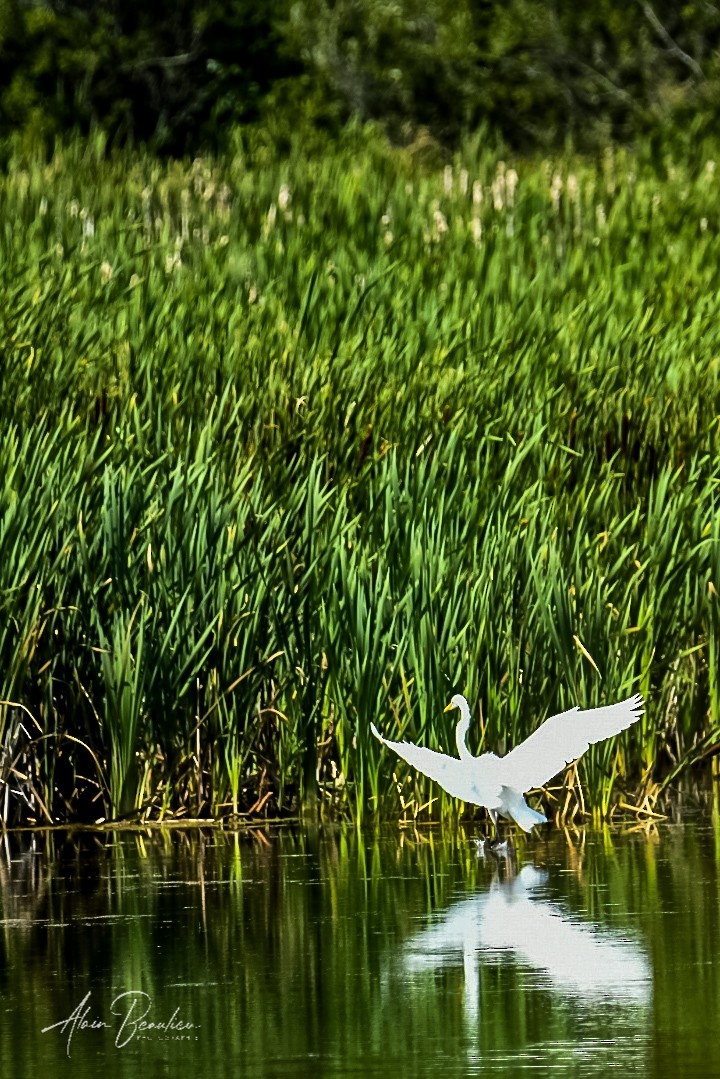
(295, 953)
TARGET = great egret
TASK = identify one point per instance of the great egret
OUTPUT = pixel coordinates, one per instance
(499, 783)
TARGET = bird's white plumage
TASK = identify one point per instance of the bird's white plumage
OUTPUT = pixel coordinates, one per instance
(498, 783)
(474, 779)
(563, 738)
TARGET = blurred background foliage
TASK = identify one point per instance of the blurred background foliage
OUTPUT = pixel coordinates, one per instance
(178, 75)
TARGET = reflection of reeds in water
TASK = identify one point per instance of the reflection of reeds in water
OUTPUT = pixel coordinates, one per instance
(297, 944)
(285, 449)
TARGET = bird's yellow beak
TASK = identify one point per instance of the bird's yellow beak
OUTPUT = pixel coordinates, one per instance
(448, 707)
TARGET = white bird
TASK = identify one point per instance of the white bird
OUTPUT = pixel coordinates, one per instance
(499, 783)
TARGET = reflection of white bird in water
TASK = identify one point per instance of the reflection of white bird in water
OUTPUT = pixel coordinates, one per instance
(576, 959)
(498, 783)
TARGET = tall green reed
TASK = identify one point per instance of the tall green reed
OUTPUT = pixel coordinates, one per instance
(292, 445)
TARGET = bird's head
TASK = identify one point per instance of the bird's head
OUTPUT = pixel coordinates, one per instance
(463, 724)
(457, 702)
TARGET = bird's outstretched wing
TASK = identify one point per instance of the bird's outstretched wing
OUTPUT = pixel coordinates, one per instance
(563, 738)
(473, 780)
(438, 766)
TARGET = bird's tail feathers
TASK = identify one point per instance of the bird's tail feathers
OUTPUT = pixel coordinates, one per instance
(515, 806)
(376, 732)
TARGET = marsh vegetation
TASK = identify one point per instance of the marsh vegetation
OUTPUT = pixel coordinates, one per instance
(289, 445)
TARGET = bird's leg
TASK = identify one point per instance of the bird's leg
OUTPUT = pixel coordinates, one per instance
(498, 846)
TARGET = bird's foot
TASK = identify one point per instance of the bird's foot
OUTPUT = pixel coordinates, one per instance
(485, 845)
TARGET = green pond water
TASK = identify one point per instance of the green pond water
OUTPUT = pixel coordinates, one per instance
(295, 953)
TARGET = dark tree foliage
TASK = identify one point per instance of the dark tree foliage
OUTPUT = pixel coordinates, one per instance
(593, 71)
(179, 73)
(170, 72)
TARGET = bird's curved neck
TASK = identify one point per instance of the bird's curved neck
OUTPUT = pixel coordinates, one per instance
(461, 731)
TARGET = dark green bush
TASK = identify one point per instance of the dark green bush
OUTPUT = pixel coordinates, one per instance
(179, 75)
(171, 73)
